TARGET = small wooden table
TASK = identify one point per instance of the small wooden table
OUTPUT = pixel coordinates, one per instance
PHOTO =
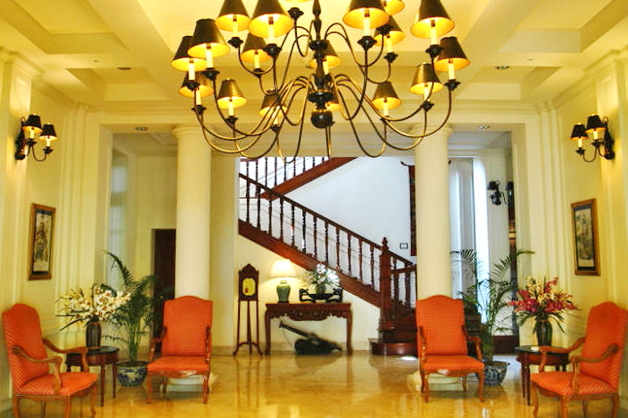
(98, 357)
(308, 312)
(530, 354)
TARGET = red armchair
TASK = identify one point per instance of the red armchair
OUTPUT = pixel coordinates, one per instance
(29, 364)
(595, 373)
(442, 342)
(186, 343)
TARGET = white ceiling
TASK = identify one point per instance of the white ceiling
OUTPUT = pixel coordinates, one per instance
(115, 54)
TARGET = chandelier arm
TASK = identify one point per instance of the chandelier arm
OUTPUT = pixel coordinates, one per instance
(332, 30)
(357, 139)
(32, 153)
(360, 90)
(291, 92)
(299, 141)
(225, 150)
(263, 125)
(243, 152)
(287, 66)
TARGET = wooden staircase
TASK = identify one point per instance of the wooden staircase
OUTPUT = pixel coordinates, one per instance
(365, 268)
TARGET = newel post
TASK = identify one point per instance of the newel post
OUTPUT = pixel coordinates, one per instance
(385, 297)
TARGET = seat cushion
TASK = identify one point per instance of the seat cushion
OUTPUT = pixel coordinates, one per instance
(71, 383)
(560, 383)
(445, 364)
(182, 364)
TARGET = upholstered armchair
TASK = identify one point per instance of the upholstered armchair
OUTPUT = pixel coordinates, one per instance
(442, 343)
(595, 372)
(29, 364)
(186, 343)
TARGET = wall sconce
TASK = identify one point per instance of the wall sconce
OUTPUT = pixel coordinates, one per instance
(602, 140)
(29, 134)
(496, 195)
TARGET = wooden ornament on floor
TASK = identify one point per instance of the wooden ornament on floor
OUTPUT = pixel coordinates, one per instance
(248, 279)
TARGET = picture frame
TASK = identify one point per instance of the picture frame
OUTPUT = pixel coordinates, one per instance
(41, 240)
(585, 233)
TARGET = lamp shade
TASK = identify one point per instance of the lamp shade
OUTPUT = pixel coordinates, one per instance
(393, 7)
(360, 9)
(395, 33)
(594, 124)
(204, 86)
(270, 20)
(431, 13)
(451, 53)
(385, 96)
(331, 57)
(182, 60)
(207, 37)
(270, 103)
(48, 133)
(253, 46)
(578, 132)
(282, 269)
(425, 79)
(233, 15)
(32, 125)
(230, 93)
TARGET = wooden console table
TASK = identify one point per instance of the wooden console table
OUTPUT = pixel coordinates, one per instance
(308, 312)
(529, 354)
(98, 357)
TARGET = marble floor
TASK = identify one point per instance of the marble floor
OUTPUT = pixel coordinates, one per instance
(291, 386)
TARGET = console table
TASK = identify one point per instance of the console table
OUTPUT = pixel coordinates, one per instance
(97, 357)
(308, 312)
(529, 354)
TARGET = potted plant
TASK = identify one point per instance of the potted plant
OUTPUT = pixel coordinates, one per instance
(320, 278)
(133, 321)
(489, 295)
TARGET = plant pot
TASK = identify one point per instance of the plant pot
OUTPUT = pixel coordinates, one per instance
(495, 372)
(132, 374)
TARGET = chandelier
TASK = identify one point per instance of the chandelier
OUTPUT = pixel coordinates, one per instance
(276, 45)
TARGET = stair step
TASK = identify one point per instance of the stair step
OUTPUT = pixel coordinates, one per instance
(398, 348)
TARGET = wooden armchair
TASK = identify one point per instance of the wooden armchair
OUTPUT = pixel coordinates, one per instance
(29, 364)
(595, 373)
(186, 343)
(442, 343)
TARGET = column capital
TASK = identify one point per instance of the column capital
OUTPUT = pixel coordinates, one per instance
(187, 131)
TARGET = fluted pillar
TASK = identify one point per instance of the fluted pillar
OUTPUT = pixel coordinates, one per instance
(432, 215)
(193, 213)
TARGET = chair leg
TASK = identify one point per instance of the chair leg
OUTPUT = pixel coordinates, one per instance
(615, 400)
(15, 403)
(67, 407)
(425, 384)
(585, 408)
(149, 388)
(535, 401)
(481, 386)
(205, 388)
(42, 409)
(464, 383)
(92, 400)
(564, 407)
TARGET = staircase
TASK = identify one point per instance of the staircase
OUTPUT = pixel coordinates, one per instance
(365, 268)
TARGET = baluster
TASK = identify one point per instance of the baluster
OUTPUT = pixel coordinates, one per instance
(372, 261)
(270, 201)
(326, 243)
(266, 180)
(258, 198)
(338, 249)
(292, 224)
(281, 220)
(360, 261)
(315, 236)
(276, 165)
(303, 232)
(294, 167)
(349, 252)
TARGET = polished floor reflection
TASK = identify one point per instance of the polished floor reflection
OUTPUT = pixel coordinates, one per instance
(291, 386)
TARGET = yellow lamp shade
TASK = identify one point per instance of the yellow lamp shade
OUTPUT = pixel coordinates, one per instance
(579, 132)
(594, 124)
(331, 57)
(254, 46)
(431, 13)
(270, 102)
(425, 79)
(207, 37)
(204, 86)
(233, 15)
(395, 33)
(386, 97)
(48, 133)
(451, 53)
(270, 20)
(360, 9)
(393, 7)
(230, 95)
(182, 60)
(32, 126)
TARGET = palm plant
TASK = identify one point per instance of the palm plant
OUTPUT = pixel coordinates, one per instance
(134, 320)
(489, 294)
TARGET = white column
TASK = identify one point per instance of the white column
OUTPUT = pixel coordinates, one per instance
(432, 216)
(193, 213)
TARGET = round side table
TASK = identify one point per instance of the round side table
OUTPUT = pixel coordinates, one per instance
(98, 357)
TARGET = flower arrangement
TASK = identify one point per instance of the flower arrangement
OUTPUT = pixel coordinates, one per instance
(100, 305)
(321, 276)
(542, 301)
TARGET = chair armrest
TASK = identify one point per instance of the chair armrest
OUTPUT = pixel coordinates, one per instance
(55, 360)
(576, 360)
(153, 344)
(74, 350)
(477, 342)
(421, 344)
(208, 344)
(544, 349)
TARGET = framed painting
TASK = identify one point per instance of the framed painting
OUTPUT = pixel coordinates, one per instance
(586, 251)
(40, 249)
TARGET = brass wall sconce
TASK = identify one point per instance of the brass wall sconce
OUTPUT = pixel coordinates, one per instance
(602, 140)
(31, 131)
